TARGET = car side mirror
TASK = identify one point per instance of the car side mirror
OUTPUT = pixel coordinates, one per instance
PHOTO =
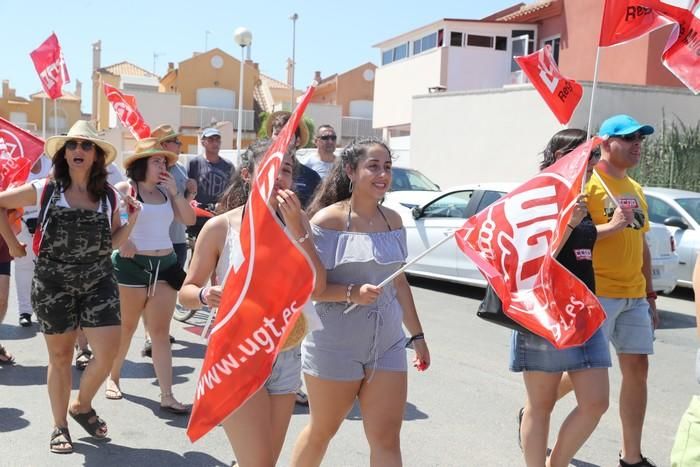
(675, 221)
(417, 212)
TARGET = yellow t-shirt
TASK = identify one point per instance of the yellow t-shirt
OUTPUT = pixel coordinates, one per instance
(617, 259)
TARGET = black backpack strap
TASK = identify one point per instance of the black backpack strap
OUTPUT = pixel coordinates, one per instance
(49, 196)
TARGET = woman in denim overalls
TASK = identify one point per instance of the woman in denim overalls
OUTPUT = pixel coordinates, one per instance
(74, 285)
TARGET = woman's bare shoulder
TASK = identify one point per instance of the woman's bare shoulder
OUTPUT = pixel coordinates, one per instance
(333, 217)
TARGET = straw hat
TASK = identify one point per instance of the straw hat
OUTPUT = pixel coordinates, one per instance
(164, 133)
(297, 334)
(302, 126)
(80, 130)
(148, 147)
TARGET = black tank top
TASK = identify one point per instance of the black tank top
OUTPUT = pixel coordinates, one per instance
(577, 253)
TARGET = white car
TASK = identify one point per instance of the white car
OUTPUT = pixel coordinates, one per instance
(429, 216)
(679, 211)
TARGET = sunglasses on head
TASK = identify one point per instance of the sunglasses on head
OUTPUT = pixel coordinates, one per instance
(84, 145)
(633, 137)
(328, 137)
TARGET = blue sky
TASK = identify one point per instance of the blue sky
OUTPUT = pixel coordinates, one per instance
(330, 36)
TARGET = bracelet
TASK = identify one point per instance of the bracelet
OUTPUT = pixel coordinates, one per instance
(652, 295)
(348, 292)
(202, 293)
(570, 226)
(302, 239)
(417, 337)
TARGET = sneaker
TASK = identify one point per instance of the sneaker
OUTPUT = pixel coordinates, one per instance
(301, 398)
(147, 348)
(521, 412)
(642, 463)
(25, 320)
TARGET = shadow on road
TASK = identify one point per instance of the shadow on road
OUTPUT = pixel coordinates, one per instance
(145, 369)
(682, 293)
(9, 332)
(179, 421)
(189, 350)
(11, 420)
(475, 293)
(411, 412)
(110, 454)
(673, 320)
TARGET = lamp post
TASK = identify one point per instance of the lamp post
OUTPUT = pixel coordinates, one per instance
(294, 19)
(243, 37)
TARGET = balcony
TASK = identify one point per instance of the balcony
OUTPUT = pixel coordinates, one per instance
(354, 127)
(201, 117)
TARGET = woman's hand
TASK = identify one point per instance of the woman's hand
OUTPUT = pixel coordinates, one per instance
(289, 206)
(212, 296)
(168, 182)
(366, 294)
(128, 249)
(422, 359)
(579, 212)
(18, 250)
(133, 208)
(191, 188)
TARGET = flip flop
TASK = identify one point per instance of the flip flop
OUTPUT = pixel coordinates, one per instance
(113, 394)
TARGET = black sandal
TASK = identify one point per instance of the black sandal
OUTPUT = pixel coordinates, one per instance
(92, 428)
(5, 357)
(83, 358)
(61, 436)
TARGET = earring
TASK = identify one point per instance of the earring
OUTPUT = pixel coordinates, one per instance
(350, 188)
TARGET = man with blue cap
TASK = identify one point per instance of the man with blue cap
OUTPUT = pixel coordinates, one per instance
(622, 265)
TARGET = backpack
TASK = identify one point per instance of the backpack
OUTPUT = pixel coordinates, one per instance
(49, 196)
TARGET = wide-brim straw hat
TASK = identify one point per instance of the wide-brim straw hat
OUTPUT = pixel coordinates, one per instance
(302, 126)
(149, 147)
(82, 129)
(164, 133)
(297, 334)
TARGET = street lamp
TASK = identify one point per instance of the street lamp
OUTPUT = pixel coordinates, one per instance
(294, 19)
(243, 37)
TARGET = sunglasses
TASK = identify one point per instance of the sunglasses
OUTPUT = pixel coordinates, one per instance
(328, 137)
(84, 145)
(173, 141)
(632, 138)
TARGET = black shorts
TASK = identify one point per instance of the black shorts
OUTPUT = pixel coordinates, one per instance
(63, 305)
(5, 268)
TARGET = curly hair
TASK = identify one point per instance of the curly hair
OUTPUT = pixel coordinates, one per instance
(565, 141)
(336, 186)
(97, 181)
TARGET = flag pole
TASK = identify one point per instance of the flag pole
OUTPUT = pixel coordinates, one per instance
(595, 84)
(403, 268)
(55, 116)
(43, 118)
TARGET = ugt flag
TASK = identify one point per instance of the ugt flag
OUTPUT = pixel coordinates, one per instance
(127, 113)
(561, 94)
(625, 20)
(262, 298)
(49, 64)
(19, 150)
(512, 242)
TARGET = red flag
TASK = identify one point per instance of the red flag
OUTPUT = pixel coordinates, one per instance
(263, 296)
(561, 94)
(512, 242)
(49, 64)
(682, 53)
(19, 150)
(625, 20)
(125, 107)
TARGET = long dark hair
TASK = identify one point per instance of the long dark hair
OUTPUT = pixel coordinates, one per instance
(97, 181)
(565, 141)
(238, 189)
(336, 186)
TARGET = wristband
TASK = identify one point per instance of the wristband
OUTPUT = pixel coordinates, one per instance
(417, 337)
(348, 292)
(651, 295)
(202, 293)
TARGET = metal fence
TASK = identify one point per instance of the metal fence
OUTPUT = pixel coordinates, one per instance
(201, 117)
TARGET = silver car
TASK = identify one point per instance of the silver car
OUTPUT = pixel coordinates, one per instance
(679, 211)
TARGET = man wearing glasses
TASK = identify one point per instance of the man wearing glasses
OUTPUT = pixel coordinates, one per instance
(323, 159)
(622, 265)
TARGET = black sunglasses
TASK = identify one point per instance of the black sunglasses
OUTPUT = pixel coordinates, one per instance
(84, 145)
(633, 137)
(328, 137)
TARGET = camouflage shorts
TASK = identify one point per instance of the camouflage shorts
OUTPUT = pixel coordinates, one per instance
(71, 298)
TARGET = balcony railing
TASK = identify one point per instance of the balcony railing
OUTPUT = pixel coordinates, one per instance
(354, 127)
(202, 117)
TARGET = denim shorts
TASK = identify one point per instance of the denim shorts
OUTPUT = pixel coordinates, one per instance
(628, 325)
(286, 373)
(529, 352)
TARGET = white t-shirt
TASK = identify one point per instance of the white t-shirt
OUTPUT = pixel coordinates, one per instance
(322, 168)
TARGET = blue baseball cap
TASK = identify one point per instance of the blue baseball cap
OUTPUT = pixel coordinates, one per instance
(621, 125)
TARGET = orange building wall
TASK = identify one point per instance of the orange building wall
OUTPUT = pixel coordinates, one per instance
(352, 87)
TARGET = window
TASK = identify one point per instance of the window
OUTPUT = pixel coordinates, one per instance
(488, 199)
(659, 210)
(691, 206)
(480, 41)
(456, 39)
(416, 47)
(554, 43)
(387, 56)
(440, 37)
(401, 51)
(501, 43)
(428, 42)
(531, 38)
(453, 205)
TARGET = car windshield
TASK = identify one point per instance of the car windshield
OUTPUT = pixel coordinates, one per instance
(691, 206)
(410, 180)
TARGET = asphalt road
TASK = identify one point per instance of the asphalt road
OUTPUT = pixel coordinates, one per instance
(459, 413)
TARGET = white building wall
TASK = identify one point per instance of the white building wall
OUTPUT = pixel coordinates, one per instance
(326, 114)
(477, 68)
(498, 135)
